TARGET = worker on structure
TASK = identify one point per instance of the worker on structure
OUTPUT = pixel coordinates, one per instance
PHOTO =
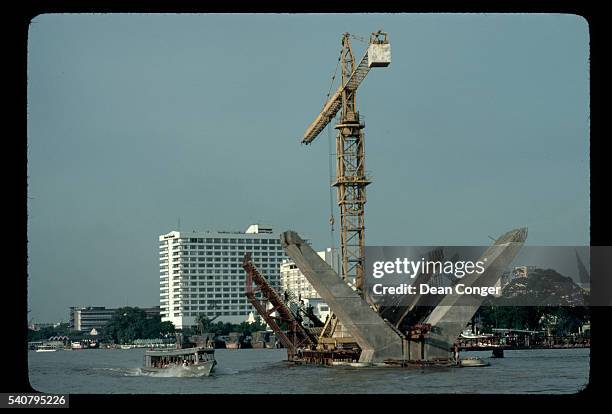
(456, 353)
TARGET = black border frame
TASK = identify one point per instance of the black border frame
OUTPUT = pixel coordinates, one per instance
(15, 297)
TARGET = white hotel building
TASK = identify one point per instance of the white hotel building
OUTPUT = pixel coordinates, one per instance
(294, 281)
(201, 273)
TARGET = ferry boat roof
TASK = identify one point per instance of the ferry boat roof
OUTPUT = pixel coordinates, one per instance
(178, 352)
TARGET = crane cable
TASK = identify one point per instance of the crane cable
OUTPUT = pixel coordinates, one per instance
(333, 79)
(361, 39)
(331, 155)
(331, 191)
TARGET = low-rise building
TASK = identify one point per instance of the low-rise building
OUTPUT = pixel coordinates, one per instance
(95, 317)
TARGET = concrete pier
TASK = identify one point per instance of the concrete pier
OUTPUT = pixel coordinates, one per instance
(454, 311)
(377, 340)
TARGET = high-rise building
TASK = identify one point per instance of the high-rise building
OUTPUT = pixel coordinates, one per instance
(294, 281)
(300, 289)
(201, 273)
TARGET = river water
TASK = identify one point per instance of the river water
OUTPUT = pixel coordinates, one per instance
(255, 371)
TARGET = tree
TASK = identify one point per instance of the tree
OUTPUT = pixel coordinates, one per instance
(568, 318)
(248, 328)
(204, 323)
(128, 324)
(166, 328)
(63, 329)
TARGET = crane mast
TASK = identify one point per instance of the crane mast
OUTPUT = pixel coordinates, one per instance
(351, 179)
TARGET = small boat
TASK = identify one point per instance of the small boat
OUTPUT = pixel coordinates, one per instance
(233, 340)
(474, 362)
(76, 345)
(45, 348)
(189, 362)
(263, 340)
(126, 347)
(467, 334)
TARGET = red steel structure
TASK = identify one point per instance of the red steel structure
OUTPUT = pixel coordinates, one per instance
(295, 336)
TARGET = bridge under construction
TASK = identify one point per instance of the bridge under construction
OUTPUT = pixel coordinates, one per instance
(358, 331)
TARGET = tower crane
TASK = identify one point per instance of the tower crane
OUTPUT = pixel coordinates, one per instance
(351, 179)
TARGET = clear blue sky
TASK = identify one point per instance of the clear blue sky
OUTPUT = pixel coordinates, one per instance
(479, 125)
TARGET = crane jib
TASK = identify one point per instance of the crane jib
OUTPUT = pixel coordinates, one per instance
(378, 54)
(332, 106)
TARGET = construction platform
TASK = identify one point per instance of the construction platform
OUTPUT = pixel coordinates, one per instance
(350, 358)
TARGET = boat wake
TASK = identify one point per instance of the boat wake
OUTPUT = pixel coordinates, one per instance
(225, 371)
(171, 372)
(122, 372)
(178, 372)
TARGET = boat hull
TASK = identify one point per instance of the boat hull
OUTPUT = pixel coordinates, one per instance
(202, 369)
(262, 345)
(474, 362)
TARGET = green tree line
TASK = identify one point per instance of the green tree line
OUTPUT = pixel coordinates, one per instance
(128, 324)
(47, 332)
(207, 325)
(562, 320)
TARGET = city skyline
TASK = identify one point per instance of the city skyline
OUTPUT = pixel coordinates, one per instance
(478, 126)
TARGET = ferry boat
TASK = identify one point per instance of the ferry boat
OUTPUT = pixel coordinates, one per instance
(192, 362)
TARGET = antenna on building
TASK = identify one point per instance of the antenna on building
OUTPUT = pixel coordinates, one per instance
(179, 224)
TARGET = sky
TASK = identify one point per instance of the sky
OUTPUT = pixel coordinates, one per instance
(480, 125)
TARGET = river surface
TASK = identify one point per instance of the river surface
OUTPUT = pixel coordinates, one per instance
(256, 371)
